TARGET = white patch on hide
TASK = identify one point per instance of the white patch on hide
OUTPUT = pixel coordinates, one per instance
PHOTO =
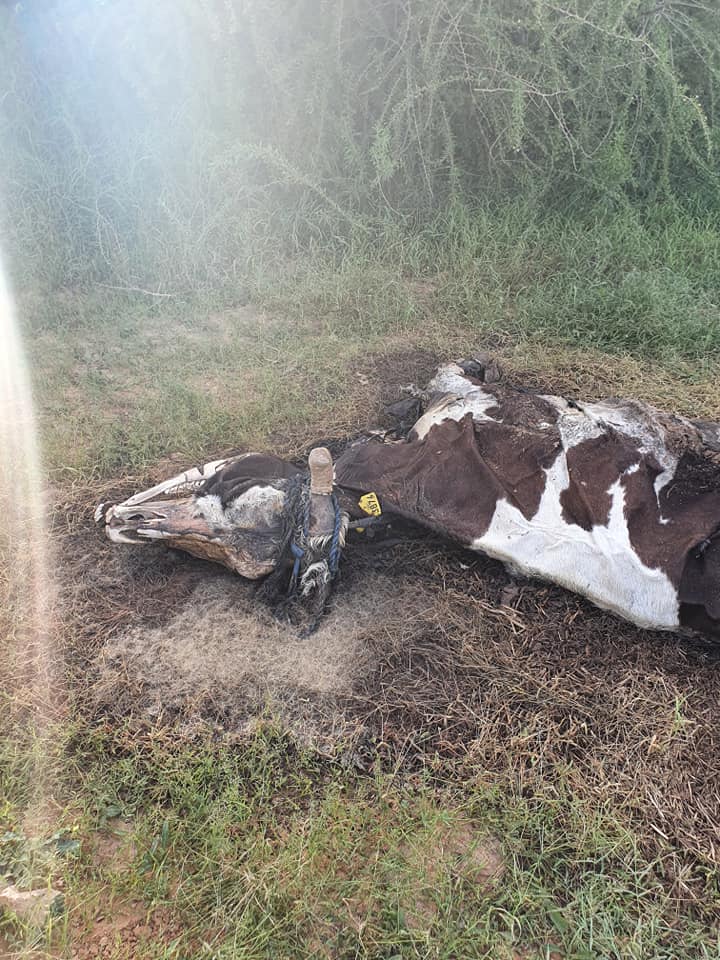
(463, 398)
(600, 564)
(574, 423)
(649, 436)
(450, 378)
(257, 507)
(590, 421)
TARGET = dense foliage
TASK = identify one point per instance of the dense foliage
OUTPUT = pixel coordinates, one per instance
(173, 141)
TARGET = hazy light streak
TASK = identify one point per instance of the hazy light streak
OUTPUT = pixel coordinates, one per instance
(26, 672)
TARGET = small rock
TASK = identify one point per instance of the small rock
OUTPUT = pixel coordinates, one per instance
(35, 907)
(508, 595)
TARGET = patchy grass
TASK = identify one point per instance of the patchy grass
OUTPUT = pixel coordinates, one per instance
(637, 282)
(265, 852)
(262, 849)
(124, 380)
(116, 398)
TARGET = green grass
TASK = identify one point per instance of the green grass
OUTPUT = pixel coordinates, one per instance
(412, 176)
(124, 379)
(264, 851)
(117, 398)
(643, 282)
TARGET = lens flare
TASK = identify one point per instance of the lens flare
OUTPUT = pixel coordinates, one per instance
(28, 595)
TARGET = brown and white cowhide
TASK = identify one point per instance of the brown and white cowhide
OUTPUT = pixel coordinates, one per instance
(613, 500)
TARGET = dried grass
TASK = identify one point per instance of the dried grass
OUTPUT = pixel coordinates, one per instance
(432, 658)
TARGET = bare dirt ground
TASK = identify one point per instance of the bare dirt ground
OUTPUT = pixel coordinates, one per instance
(429, 655)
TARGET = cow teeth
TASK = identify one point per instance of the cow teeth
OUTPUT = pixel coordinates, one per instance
(121, 535)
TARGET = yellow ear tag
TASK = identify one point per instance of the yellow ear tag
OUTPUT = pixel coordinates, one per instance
(370, 504)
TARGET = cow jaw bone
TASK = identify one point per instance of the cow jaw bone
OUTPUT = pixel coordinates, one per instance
(244, 538)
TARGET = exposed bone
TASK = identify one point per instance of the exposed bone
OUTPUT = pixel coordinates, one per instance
(322, 509)
(321, 471)
(160, 519)
(188, 481)
(185, 483)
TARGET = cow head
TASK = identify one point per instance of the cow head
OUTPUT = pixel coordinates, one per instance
(229, 511)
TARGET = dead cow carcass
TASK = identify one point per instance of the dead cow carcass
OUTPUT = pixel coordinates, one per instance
(613, 500)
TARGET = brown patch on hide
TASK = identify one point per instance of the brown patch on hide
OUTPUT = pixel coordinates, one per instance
(593, 467)
(237, 478)
(440, 480)
(694, 496)
(697, 474)
(452, 479)
(521, 408)
(517, 457)
(659, 546)
(666, 531)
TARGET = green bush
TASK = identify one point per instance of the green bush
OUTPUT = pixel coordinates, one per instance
(175, 143)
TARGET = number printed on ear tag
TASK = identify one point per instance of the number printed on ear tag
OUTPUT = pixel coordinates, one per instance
(370, 504)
